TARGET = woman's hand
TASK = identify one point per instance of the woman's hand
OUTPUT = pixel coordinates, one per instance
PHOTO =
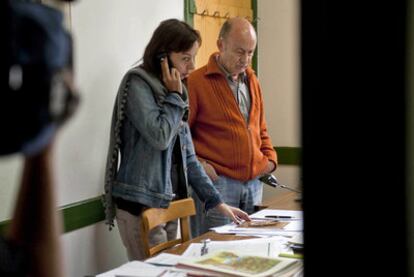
(171, 79)
(235, 214)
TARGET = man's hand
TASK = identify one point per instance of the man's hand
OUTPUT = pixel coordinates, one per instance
(235, 214)
(271, 166)
(211, 172)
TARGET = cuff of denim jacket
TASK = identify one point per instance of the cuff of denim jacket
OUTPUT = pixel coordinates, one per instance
(176, 98)
(178, 93)
(212, 203)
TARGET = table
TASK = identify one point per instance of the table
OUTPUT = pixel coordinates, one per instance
(283, 201)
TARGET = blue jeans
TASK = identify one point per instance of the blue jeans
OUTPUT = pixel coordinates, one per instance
(243, 195)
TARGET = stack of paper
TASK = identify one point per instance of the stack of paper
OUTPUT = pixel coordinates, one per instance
(266, 247)
(238, 264)
(290, 223)
(135, 269)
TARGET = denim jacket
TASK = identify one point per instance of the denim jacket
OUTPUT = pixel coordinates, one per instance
(146, 122)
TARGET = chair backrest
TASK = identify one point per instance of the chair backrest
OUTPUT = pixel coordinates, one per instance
(180, 209)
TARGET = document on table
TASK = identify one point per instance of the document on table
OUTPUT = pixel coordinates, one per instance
(271, 213)
(298, 239)
(293, 220)
(164, 259)
(134, 269)
(160, 265)
(267, 247)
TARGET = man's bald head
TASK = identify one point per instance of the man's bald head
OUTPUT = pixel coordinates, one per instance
(236, 43)
(237, 25)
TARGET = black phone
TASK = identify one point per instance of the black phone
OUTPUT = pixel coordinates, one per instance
(161, 56)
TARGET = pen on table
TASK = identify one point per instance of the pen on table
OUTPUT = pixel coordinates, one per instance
(262, 218)
(196, 273)
(278, 216)
(159, 264)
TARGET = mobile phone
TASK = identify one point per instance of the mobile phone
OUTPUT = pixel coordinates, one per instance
(161, 56)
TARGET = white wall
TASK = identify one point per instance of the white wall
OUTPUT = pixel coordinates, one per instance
(278, 66)
(109, 36)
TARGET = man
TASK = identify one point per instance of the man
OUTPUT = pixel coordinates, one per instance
(228, 124)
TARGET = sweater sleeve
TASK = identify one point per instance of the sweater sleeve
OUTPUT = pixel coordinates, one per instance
(192, 97)
(266, 145)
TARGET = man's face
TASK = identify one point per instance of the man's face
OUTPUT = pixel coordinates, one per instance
(236, 50)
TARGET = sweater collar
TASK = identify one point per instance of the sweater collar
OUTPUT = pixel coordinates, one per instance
(213, 67)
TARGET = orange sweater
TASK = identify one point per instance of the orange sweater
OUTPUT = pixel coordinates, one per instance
(220, 133)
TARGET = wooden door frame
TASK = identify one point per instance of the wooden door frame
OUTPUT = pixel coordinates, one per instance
(190, 10)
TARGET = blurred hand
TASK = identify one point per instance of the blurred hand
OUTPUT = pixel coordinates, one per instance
(171, 78)
(235, 214)
(211, 172)
(71, 99)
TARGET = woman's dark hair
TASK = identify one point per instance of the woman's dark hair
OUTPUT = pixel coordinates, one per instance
(172, 35)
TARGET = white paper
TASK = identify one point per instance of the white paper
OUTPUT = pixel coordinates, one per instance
(294, 226)
(233, 229)
(164, 259)
(266, 212)
(298, 239)
(134, 269)
(267, 247)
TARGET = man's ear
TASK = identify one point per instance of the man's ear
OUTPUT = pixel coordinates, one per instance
(220, 44)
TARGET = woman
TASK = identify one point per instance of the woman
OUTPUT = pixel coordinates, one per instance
(157, 160)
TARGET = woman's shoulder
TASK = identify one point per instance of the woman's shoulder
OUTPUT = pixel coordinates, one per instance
(140, 72)
(140, 76)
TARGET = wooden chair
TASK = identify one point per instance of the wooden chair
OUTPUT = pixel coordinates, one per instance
(153, 217)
